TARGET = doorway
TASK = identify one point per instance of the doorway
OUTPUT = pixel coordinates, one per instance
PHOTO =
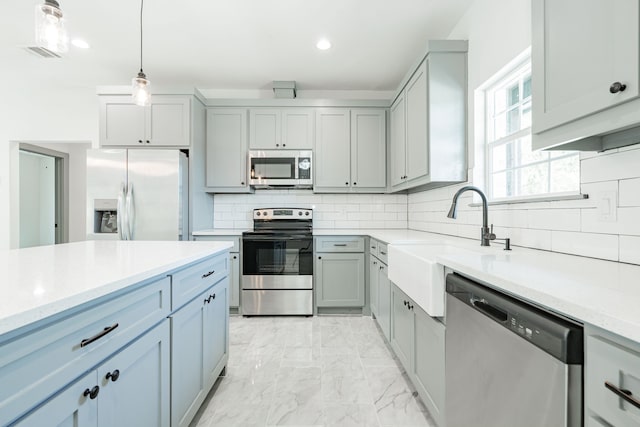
(43, 196)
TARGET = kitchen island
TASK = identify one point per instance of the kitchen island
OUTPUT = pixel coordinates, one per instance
(94, 331)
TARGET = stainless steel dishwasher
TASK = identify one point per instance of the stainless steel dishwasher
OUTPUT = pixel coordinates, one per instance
(508, 363)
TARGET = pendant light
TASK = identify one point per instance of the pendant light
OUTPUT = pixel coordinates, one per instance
(141, 94)
(50, 31)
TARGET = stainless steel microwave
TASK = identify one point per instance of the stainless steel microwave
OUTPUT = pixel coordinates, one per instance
(281, 168)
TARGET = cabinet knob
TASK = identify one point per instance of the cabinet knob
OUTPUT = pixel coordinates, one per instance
(355, 183)
(212, 296)
(319, 257)
(277, 145)
(346, 183)
(92, 393)
(242, 183)
(617, 87)
(381, 268)
(405, 303)
(284, 145)
(113, 376)
(147, 141)
(235, 257)
(139, 141)
(375, 263)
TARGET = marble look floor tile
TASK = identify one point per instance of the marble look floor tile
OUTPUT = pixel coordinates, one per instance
(311, 372)
(351, 416)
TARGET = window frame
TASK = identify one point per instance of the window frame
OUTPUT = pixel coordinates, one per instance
(515, 71)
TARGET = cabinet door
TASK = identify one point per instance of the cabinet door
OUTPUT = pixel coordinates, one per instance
(215, 332)
(401, 327)
(122, 123)
(428, 357)
(574, 69)
(134, 384)
(234, 281)
(339, 280)
(416, 132)
(384, 301)
(168, 121)
(398, 141)
(332, 152)
(70, 408)
(368, 149)
(227, 148)
(264, 129)
(373, 284)
(187, 349)
(297, 128)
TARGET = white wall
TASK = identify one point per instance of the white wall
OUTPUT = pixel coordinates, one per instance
(37, 112)
(357, 211)
(499, 30)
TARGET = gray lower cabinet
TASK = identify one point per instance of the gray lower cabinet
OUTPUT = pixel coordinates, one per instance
(611, 379)
(374, 265)
(384, 301)
(198, 347)
(379, 286)
(234, 266)
(418, 341)
(114, 393)
(339, 271)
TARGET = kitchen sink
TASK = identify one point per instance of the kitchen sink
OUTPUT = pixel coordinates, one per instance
(413, 268)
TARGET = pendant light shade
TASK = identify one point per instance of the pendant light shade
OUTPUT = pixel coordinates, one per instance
(140, 90)
(140, 84)
(50, 31)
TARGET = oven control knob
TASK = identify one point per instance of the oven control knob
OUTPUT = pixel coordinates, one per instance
(306, 213)
(258, 213)
(300, 213)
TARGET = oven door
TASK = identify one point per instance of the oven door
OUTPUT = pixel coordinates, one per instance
(277, 262)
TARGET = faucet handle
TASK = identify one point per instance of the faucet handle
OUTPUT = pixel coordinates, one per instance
(491, 236)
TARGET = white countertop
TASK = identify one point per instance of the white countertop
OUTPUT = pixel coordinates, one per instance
(38, 282)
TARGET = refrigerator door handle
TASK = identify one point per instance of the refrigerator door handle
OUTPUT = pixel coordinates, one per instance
(121, 223)
(131, 212)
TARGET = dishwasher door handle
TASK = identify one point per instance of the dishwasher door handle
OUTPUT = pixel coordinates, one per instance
(624, 394)
(491, 311)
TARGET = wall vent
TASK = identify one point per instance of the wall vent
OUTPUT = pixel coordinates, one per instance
(42, 52)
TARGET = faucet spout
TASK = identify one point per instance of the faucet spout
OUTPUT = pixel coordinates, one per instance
(485, 236)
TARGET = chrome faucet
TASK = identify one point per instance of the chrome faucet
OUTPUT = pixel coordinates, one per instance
(486, 235)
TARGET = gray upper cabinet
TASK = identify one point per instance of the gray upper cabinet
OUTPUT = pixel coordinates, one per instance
(281, 128)
(350, 150)
(577, 74)
(429, 121)
(166, 122)
(226, 150)
(398, 141)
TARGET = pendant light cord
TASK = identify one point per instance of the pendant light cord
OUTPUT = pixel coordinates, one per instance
(141, 8)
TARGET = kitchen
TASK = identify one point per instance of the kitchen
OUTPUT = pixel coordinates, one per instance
(600, 227)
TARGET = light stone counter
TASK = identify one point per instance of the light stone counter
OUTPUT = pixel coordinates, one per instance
(39, 282)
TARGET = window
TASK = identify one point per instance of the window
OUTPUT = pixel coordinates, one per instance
(513, 170)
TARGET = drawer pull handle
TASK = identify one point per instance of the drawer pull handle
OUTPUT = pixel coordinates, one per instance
(113, 376)
(625, 395)
(381, 267)
(85, 342)
(339, 244)
(204, 276)
(383, 252)
(92, 393)
(212, 296)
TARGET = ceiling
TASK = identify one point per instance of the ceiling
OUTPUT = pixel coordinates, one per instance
(231, 44)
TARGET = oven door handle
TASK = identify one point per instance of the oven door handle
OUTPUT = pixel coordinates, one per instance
(277, 238)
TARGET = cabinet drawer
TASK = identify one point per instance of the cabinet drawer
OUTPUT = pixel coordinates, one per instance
(373, 247)
(382, 252)
(186, 284)
(609, 362)
(340, 244)
(234, 239)
(38, 364)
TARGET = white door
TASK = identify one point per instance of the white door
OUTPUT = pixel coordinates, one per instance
(154, 201)
(106, 174)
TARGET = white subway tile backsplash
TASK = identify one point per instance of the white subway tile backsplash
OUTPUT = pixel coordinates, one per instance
(604, 246)
(629, 192)
(614, 166)
(630, 249)
(629, 221)
(554, 219)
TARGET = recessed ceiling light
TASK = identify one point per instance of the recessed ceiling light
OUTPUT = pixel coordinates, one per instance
(80, 43)
(323, 44)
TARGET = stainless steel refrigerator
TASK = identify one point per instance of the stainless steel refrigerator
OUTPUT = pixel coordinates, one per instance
(137, 194)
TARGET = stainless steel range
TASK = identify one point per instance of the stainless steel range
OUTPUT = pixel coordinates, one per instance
(277, 263)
